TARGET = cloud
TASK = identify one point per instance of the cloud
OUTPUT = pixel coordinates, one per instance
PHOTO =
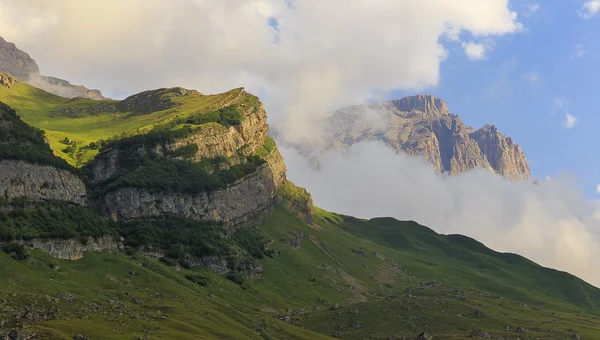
(550, 223)
(531, 77)
(531, 9)
(580, 51)
(598, 189)
(318, 57)
(570, 121)
(589, 9)
(474, 50)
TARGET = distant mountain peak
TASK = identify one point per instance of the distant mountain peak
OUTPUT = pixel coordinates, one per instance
(421, 102)
(20, 65)
(422, 125)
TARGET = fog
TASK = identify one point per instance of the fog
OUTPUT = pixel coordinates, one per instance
(551, 223)
(314, 57)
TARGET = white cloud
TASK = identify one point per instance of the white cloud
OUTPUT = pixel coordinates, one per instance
(324, 56)
(580, 51)
(531, 77)
(570, 121)
(589, 9)
(531, 9)
(474, 51)
(550, 223)
(598, 189)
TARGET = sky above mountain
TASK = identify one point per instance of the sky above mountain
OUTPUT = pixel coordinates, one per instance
(528, 67)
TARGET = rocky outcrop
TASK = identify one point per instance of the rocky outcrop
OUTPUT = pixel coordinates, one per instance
(74, 249)
(7, 80)
(213, 140)
(422, 125)
(39, 182)
(154, 100)
(297, 201)
(15, 61)
(23, 67)
(236, 204)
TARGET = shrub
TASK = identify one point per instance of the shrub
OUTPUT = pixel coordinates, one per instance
(236, 278)
(199, 279)
(16, 251)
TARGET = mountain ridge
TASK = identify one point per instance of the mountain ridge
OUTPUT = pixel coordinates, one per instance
(23, 67)
(175, 267)
(423, 125)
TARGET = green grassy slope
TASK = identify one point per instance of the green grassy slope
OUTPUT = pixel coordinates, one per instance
(84, 121)
(339, 282)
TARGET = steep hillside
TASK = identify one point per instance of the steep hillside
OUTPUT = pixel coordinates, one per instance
(187, 228)
(319, 280)
(423, 125)
(23, 67)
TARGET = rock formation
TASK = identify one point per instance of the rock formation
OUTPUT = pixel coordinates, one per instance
(39, 182)
(23, 67)
(422, 125)
(236, 204)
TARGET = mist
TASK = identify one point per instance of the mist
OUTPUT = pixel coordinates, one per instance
(315, 57)
(550, 223)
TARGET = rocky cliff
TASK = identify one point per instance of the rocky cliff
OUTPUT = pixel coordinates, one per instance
(23, 67)
(29, 169)
(74, 249)
(19, 179)
(422, 125)
(212, 146)
(235, 204)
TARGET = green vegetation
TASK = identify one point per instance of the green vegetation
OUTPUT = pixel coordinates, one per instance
(19, 141)
(341, 281)
(226, 116)
(172, 175)
(88, 123)
(199, 279)
(181, 239)
(16, 251)
(24, 220)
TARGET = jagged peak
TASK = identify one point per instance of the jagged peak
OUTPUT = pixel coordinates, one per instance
(421, 102)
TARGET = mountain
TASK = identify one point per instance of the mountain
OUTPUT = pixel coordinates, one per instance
(168, 215)
(24, 68)
(423, 125)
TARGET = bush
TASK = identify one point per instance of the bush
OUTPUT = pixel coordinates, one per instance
(21, 219)
(199, 279)
(16, 251)
(20, 141)
(236, 278)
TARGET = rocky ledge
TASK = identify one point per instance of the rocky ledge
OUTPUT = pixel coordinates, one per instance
(236, 204)
(19, 179)
(74, 249)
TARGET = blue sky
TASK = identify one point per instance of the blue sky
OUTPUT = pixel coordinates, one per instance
(528, 82)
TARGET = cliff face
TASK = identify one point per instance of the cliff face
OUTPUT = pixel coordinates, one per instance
(236, 204)
(248, 196)
(73, 249)
(23, 67)
(213, 140)
(422, 125)
(39, 182)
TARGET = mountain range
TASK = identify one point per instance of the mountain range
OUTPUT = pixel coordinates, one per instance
(19, 64)
(423, 125)
(169, 215)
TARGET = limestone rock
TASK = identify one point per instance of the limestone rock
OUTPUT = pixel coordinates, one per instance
(422, 125)
(20, 65)
(15, 61)
(73, 249)
(478, 333)
(39, 182)
(236, 204)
